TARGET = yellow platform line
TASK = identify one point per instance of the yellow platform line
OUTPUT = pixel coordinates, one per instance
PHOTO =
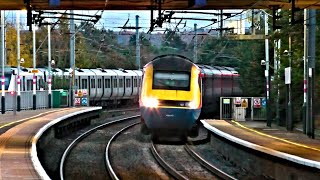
(273, 137)
(32, 117)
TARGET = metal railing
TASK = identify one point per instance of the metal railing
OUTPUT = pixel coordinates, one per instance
(27, 100)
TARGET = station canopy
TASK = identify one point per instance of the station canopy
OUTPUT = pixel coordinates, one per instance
(153, 4)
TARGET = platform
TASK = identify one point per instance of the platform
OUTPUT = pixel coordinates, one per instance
(276, 141)
(18, 137)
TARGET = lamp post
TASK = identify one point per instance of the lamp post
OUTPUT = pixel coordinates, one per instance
(49, 66)
(34, 69)
(288, 73)
(20, 61)
(17, 98)
(2, 22)
(266, 26)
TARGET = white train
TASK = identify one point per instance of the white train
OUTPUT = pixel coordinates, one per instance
(104, 86)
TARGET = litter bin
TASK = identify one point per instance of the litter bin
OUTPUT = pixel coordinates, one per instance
(64, 98)
(239, 113)
(56, 96)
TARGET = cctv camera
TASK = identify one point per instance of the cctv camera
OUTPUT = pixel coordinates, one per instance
(263, 62)
(286, 52)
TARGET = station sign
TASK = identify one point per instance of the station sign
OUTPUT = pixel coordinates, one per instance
(256, 102)
(34, 71)
(244, 103)
(77, 101)
(237, 101)
(226, 101)
(264, 102)
(81, 97)
(84, 101)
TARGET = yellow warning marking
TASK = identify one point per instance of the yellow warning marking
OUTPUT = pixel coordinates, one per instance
(280, 139)
(14, 122)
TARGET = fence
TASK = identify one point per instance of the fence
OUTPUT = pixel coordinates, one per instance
(27, 100)
(243, 108)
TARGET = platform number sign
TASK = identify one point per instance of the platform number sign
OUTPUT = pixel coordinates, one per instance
(264, 102)
(77, 101)
(257, 103)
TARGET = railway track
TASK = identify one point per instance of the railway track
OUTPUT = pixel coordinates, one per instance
(181, 162)
(128, 156)
(107, 152)
(78, 148)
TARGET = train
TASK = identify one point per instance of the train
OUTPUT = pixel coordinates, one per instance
(176, 93)
(106, 87)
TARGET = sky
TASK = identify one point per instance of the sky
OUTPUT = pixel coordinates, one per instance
(114, 19)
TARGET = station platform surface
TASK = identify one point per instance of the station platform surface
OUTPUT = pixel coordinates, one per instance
(18, 137)
(9, 116)
(275, 140)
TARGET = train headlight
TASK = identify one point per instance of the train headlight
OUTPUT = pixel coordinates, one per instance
(192, 105)
(150, 102)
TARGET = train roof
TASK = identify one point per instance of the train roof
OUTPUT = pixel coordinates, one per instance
(122, 72)
(217, 70)
(82, 72)
(104, 72)
(138, 72)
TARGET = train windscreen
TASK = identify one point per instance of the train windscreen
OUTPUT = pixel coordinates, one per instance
(171, 80)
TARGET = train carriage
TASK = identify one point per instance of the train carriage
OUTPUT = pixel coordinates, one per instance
(105, 86)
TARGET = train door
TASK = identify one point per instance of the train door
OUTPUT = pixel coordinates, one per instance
(24, 83)
(132, 84)
(109, 85)
(120, 86)
(88, 87)
(128, 87)
(102, 87)
(115, 87)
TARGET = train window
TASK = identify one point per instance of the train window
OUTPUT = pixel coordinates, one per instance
(171, 80)
(76, 82)
(29, 84)
(7, 81)
(120, 83)
(84, 84)
(135, 83)
(41, 84)
(93, 85)
(127, 82)
(115, 84)
(99, 83)
(107, 83)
